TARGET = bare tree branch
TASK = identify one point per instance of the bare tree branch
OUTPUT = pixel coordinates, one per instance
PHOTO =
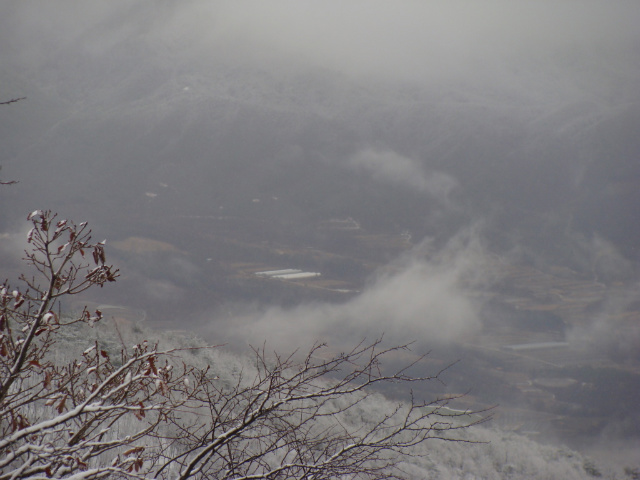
(9, 182)
(13, 100)
(142, 412)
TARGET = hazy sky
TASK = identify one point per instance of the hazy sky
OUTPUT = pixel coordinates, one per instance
(497, 43)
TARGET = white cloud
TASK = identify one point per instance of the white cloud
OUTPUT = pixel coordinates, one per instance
(391, 167)
(417, 298)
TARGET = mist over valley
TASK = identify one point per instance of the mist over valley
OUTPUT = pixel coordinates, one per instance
(464, 177)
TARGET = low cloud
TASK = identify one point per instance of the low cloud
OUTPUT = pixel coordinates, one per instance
(413, 40)
(390, 167)
(612, 328)
(422, 297)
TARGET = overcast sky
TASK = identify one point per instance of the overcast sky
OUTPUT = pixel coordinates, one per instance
(495, 43)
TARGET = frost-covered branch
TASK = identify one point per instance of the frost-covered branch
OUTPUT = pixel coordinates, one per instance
(143, 412)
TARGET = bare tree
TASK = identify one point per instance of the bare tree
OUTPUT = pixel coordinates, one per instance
(144, 413)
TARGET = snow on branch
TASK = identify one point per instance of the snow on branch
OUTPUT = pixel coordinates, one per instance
(143, 412)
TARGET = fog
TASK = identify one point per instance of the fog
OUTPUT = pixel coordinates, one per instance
(391, 167)
(460, 173)
(413, 301)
